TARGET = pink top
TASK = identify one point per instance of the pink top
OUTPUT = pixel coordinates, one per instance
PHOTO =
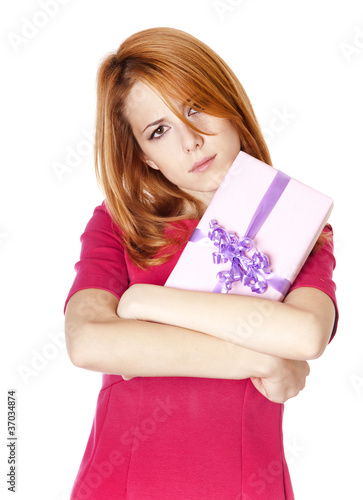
(172, 438)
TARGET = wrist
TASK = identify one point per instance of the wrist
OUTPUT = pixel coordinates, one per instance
(252, 364)
(266, 366)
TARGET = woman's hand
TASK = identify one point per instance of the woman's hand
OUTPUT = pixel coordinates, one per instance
(286, 379)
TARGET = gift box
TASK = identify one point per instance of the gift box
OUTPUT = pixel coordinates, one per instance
(255, 235)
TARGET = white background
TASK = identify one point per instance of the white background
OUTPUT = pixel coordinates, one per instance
(302, 59)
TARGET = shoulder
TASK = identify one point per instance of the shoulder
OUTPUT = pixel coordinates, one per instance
(322, 258)
(102, 220)
(320, 264)
(102, 263)
(101, 232)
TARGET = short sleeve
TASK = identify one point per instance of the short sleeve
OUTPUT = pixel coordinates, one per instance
(317, 272)
(102, 260)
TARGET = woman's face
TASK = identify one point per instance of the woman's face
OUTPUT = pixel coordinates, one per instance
(196, 163)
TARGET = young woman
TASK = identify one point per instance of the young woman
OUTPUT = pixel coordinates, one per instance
(189, 408)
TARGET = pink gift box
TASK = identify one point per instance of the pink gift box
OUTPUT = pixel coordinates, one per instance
(282, 219)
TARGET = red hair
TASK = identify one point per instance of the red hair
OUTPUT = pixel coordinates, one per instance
(141, 201)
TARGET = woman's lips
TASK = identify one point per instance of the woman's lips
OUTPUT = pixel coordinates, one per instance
(203, 165)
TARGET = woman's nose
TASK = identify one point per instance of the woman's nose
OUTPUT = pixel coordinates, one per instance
(191, 139)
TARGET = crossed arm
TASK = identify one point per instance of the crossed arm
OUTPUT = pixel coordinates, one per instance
(157, 331)
(298, 328)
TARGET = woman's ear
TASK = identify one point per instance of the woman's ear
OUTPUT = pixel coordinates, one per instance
(149, 162)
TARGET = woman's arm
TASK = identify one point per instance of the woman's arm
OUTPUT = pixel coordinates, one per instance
(298, 328)
(97, 339)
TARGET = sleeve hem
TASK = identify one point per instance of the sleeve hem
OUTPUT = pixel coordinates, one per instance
(98, 284)
(330, 294)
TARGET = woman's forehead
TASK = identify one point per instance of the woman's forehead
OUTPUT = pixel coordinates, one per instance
(145, 96)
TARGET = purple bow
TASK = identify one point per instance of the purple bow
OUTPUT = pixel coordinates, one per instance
(248, 265)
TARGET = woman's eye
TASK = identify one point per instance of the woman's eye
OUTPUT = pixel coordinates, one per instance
(158, 132)
(192, 111)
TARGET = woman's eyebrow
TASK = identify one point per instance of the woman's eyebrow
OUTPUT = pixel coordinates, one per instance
(153, 123)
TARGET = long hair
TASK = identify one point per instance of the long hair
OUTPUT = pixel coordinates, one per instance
(140, 200)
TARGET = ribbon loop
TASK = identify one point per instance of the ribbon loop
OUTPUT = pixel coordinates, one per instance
(251, 271)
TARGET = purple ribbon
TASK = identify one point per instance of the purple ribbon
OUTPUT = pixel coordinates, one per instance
(248, 265)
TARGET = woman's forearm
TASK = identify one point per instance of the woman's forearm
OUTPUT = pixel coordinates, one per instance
(297, 329)
(97, 339)
(136, 348)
